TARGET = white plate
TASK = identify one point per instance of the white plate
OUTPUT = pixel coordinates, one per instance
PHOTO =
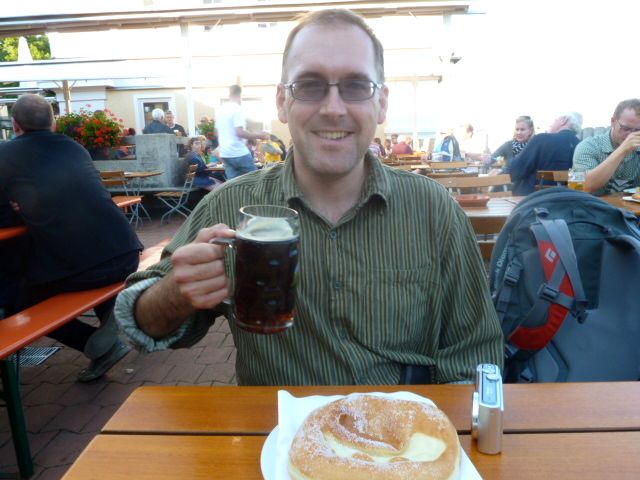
(630, 190)
(631, 199)
(268, 455)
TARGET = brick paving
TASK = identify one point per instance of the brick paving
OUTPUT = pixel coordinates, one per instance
(63, 415)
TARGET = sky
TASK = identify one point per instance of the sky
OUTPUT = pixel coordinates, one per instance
(540, 58)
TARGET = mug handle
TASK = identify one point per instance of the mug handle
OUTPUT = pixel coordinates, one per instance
(227, 242)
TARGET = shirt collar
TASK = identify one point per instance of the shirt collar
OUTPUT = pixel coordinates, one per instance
(377, 183)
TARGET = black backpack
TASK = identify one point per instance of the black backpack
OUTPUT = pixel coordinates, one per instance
(565, 281)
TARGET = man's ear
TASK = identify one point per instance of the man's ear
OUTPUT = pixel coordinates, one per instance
(281, 99)
(16, 127)
(384, 102)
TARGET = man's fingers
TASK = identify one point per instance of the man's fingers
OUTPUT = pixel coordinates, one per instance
(220, 230)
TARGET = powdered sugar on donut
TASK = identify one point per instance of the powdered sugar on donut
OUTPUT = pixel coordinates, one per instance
(372, 437)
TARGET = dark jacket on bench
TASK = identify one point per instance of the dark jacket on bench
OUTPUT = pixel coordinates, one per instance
(73, 225)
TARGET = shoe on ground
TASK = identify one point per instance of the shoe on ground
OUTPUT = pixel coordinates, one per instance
(100, 366)
(102, 340)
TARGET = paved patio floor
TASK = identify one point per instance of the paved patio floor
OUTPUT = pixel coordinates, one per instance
(63, 415)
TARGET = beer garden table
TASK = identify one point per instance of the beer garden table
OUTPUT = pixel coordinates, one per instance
(12, 232)
(554, 430)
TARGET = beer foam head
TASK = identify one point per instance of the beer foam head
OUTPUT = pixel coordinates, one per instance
(264, 229)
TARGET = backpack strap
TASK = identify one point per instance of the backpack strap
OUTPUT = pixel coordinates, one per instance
(561, 293)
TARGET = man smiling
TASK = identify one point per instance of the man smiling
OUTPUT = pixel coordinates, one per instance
(391, 286)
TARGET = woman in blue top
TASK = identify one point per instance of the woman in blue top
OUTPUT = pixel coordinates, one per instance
(194, 156)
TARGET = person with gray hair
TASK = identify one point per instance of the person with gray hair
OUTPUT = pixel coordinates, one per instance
(612, 160)
(546, 151)
(156, 125)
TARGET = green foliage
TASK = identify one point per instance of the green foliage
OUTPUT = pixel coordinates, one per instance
(207, 128)
(97, 129)
(38, 45)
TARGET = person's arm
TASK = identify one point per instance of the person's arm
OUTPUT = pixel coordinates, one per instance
(470, 332)
(599, 176)
(242, 133)
(524, 164)
(196, 282)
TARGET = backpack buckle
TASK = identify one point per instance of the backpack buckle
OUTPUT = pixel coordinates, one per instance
(511, 276)
(548, 293)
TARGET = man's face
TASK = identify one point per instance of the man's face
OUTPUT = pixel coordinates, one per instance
(557, 124)
(394, 139)
(621, 127)
(168, 118)
(331, 136)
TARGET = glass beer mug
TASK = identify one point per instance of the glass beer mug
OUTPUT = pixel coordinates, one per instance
(575, 179)
(266, 263)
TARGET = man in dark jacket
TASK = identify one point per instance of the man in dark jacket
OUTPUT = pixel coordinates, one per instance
(77, 238)
(546, 151)
(157, 125)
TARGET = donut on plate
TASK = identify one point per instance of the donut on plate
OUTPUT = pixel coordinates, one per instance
(370, 437)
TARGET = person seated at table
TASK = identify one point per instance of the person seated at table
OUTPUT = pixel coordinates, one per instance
(387, 292)
(11, 259)
(612, 160)
(448, 148)
(157, 124)
(271, 151)
(377, 149)
(77, 238)
(546, 151)
(523, 132)
(203, 178)
(388, 149)
(401, 147)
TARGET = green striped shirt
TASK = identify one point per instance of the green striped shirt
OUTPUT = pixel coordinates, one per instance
(399, 280)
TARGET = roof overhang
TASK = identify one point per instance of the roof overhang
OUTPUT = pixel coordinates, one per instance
(215, 15)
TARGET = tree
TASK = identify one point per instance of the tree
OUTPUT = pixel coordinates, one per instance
(38, 45)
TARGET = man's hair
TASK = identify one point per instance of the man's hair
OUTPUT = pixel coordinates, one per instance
(631, 104)
(32, 113)
(157, 114)
(332, 17)
(575, 121)
(235, 90)
(168, 112)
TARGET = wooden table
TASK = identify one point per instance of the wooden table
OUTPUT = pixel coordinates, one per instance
(616, 200)
(12, 232)
(560, 430)
(492, 217)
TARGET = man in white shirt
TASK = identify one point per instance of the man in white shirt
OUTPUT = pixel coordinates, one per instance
(231, 122)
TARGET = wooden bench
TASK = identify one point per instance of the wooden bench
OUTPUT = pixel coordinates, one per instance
(33, 323)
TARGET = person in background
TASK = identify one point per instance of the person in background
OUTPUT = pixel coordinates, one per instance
(448, 149)
(612, 160)
(169, 120)
(388, 150)
(523, 132)
(194, 156)
(546, 151)
(157, 124)
(271, 150)
(402, 147)
(232, 136)
(363, 315)
(377, 149)
(77, 238)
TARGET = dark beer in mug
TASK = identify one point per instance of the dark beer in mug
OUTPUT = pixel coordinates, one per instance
(264, 292)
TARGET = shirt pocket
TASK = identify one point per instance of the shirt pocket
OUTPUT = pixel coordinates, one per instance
(399, 306)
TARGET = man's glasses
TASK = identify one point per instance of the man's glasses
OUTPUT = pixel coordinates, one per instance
(625, 129)
(349, 90)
